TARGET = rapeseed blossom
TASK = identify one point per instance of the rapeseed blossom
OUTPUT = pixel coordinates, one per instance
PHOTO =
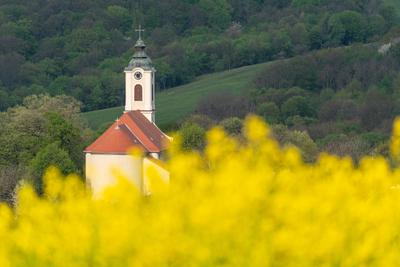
(241, 204)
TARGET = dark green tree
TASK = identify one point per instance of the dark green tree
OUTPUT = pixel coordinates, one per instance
(269, 111)
(50, 155)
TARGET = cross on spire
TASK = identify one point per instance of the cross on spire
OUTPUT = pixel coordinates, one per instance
(140, 30)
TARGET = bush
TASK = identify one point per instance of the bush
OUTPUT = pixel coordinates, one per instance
(232, 126)
(193, 136)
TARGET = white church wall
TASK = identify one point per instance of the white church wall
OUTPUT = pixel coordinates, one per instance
(101, 170)
(151, 167)
(128, 90)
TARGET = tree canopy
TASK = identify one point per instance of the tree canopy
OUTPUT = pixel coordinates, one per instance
(79, 48)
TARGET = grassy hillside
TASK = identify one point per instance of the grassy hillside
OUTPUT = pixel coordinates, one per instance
(178, 102)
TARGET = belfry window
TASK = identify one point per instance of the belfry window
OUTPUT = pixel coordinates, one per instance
(138, 92)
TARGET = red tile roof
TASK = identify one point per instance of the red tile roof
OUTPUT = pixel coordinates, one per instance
(132, 129)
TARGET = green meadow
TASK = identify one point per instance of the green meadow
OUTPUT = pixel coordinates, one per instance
(176, 103)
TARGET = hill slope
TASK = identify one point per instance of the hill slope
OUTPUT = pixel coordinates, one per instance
(175, 103)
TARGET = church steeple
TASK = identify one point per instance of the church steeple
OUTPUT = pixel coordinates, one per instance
(140, 59)
(140, 81)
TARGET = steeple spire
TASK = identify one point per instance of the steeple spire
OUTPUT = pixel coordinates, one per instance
(140, 45)
(140, 59)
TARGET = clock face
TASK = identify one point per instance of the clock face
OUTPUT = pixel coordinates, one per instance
(138, 75)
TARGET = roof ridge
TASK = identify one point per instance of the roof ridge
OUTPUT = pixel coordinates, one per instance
(154, 146)
(131, 135)
(167, 136)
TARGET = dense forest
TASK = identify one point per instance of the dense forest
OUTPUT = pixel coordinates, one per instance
(79, 48)
(340, 100)
(327, 86)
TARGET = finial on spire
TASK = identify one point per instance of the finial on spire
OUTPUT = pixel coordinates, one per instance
(140, 30)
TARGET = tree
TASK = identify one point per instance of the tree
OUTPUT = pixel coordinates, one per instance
(120, 18)
(298, 105)
(67, 135)
(315, 38)
(44, 40)
(50, 155)
(218, 12)
(269, 111)
(338, 109)
(346, 27)
(10, 177)
(4, 100)
(376, 109)
(222, 105)
(376, 25)
(30, 133)
(282, 44)
(10, 65)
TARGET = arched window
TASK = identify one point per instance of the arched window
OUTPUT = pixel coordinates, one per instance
(138, 92)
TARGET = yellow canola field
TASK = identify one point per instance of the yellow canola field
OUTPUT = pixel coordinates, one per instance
(248, 204)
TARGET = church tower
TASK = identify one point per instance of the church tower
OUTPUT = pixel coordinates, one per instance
(134, 129)
(140, 82)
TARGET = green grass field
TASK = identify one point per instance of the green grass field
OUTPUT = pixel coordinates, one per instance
(178, 102)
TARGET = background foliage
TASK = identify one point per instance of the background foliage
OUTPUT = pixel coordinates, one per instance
(79, 48)
(43, 131)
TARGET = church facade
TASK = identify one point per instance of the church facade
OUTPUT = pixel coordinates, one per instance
(109, 156)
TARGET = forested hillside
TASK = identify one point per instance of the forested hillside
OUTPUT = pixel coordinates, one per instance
(80, 48)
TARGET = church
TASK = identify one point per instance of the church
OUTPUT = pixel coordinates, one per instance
(136, 128)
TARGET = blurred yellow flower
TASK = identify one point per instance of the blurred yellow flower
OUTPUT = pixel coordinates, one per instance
(240, 204)
(395, 141)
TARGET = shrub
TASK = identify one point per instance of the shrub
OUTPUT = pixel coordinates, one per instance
(193, 136)
(232, 126)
